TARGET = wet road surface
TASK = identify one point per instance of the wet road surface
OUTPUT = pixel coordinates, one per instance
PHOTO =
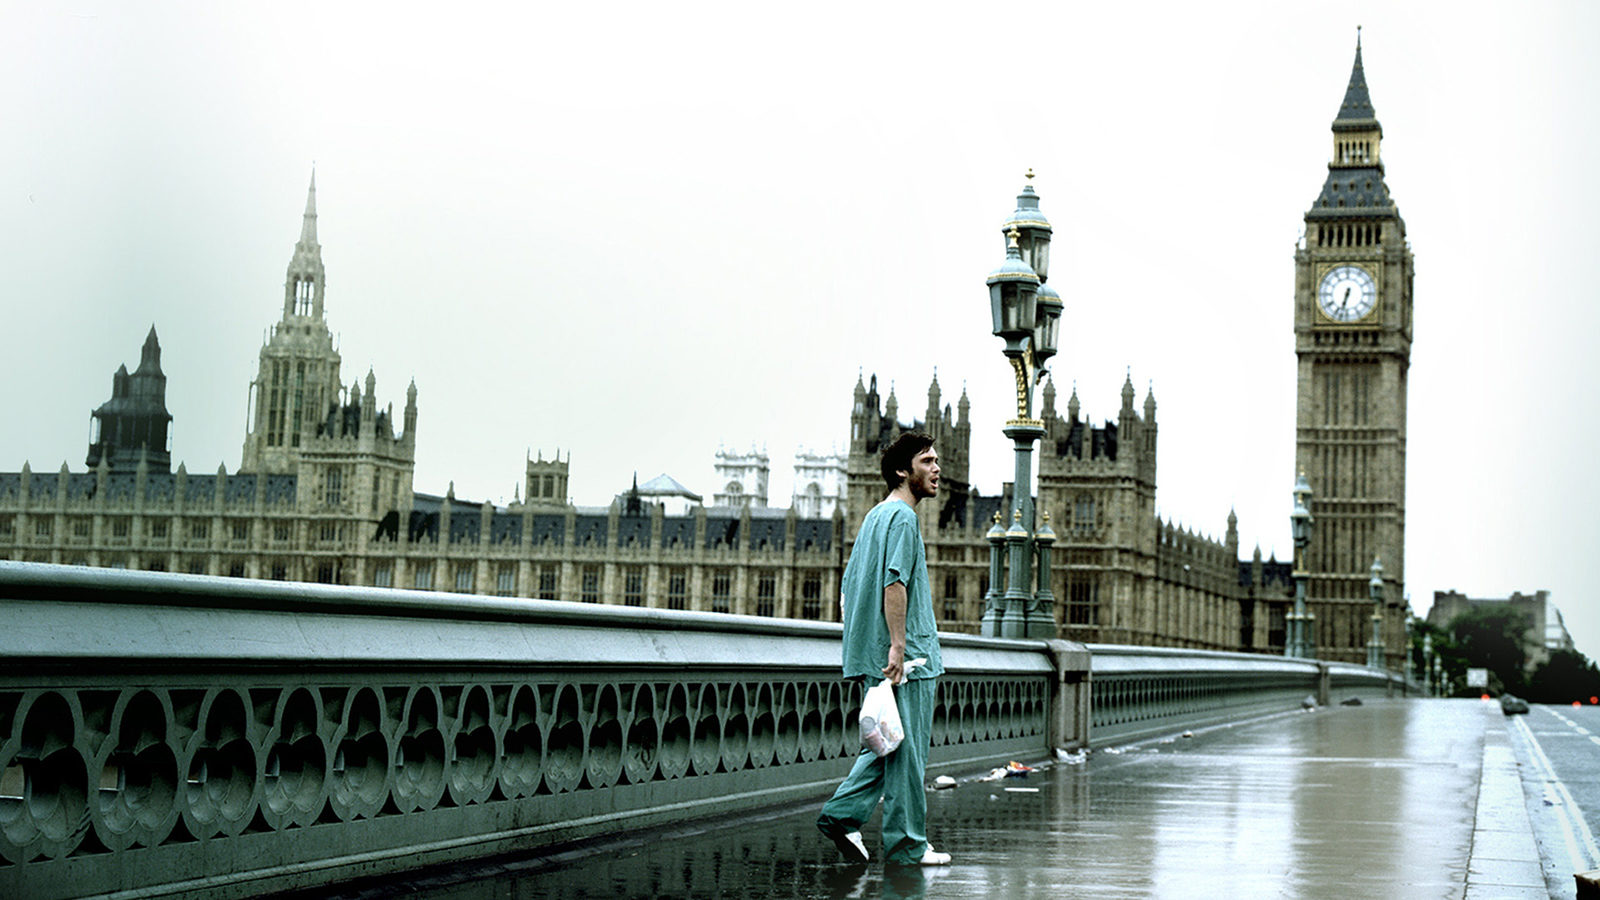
(1381, 800)
(1559, 749)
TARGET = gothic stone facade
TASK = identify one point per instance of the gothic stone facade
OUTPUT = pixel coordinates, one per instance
(1120, 574)
(1353, 330)
(324, 492)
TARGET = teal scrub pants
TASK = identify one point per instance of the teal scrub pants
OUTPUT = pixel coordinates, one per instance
(897, 778)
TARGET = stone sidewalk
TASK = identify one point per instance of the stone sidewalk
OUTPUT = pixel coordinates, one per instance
(1397, 798)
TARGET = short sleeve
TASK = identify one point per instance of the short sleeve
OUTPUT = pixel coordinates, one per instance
(900, 550)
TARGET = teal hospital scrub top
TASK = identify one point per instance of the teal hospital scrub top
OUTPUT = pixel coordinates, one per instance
(888, 548)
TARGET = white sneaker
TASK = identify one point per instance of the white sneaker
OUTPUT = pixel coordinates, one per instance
(933, 857)
(850, 845)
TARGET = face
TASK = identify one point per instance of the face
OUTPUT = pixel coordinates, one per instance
(923, 479)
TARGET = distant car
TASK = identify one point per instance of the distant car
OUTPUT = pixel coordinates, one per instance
(1512, 706)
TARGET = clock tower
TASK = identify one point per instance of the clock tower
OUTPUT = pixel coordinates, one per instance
(1352, 324)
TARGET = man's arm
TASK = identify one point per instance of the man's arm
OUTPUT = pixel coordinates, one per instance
(894, 615)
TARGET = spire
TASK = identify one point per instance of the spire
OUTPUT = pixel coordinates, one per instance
(1127, 391)
(150, 355)
(302, 293)
(1357, 105)
(308, 226)
(1150, 403)
(1354, 187)
(1072, 404)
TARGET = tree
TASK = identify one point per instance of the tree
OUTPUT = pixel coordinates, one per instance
(1567, 676)
(1491, 637)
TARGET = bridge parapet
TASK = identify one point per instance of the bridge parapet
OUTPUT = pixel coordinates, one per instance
(171, 732)
(1139, 692)
(166, 733)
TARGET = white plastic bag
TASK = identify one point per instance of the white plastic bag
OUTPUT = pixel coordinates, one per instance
(881, 731)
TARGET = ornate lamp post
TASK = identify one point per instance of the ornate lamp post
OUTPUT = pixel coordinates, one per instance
(1375, 590)
(1027, 316)
(1300, 643)
(1427, 665)
(994, 599)
(1405, 658)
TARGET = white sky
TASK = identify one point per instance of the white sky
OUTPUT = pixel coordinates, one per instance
(638, 231)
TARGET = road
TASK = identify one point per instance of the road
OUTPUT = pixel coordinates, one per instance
(1559, 751)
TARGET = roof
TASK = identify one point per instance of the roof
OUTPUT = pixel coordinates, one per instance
(1357, 105)
(1359, 192)
(665, 485)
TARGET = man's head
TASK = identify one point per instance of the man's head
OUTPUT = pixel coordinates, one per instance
(911, 461)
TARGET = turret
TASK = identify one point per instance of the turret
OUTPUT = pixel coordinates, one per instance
(410, 432)
(135, 419)
(369, 405)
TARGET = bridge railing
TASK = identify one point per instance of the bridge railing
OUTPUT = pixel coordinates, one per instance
(231, 736)
(167, 732)
(1138, 692)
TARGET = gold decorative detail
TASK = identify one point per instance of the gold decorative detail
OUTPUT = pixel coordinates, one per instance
(1030, 173)
(1046, 513)
(1016, 514)
(1024, 423)
(1015, 236)
(997, 517)
(1022, 368)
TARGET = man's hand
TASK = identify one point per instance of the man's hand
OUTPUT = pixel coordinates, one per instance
(895, 671)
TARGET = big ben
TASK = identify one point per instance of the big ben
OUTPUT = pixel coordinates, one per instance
(1352, 323)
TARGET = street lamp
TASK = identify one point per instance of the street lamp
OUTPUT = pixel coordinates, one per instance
(1405, 658)
(1300, 642)
(1427, 665)
(1375, 590)
(1026, 314)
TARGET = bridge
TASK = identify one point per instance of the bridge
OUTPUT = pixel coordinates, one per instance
(187, 734)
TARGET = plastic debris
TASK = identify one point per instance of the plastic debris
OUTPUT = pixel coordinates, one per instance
(994, 775)
(1188, 734)
(943, 782)
(1071, 759)
(1015, 769)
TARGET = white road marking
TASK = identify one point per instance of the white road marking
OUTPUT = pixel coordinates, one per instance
(1575, 831)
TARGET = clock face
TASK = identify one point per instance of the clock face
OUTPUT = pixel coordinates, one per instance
(1347, 294)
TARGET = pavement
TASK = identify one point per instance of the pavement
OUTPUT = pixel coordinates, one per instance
(1394, 798)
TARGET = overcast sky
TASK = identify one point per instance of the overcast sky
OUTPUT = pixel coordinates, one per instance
(635, 232)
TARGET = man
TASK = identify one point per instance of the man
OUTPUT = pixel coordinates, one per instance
(887, 609)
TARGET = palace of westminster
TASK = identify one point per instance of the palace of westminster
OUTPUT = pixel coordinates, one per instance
(324, 489)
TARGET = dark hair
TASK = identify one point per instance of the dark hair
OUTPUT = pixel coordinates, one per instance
(897, 456)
